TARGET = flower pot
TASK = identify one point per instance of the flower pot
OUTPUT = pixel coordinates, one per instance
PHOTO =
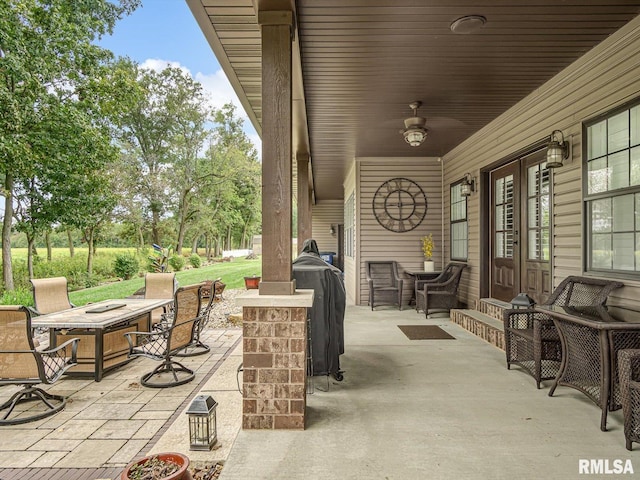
(252, 282)
(429, 266)
(181, 460)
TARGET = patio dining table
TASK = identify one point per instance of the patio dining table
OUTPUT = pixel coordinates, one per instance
(591, 338)
(101, 327)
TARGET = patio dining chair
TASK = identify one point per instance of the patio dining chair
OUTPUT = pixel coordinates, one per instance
(531, 338)
(21, 363)
(170, 338)
(208, 297)
(441, 293)
(50, 295)
(385, 284)
(159, 285)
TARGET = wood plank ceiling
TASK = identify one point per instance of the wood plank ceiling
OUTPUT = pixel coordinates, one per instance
(364, 61)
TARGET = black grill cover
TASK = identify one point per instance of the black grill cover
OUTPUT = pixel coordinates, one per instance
(327, 312)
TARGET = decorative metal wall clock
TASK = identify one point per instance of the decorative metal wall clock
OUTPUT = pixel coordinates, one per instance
(400, 205)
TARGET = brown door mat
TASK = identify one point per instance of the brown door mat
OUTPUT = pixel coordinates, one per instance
(425, 332)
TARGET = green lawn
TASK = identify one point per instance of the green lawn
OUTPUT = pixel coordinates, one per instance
(231, 273)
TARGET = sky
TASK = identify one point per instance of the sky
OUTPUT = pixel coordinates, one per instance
(162, 32)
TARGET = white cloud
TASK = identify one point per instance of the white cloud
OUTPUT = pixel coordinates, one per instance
(218, 92)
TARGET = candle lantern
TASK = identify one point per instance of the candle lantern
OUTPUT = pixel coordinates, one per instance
(202, 423)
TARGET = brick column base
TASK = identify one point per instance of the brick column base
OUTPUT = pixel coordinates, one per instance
(274, 362)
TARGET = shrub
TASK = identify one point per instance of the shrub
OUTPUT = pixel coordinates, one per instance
(125, 266)
(19, 296)
(195, 260)
(177, 262)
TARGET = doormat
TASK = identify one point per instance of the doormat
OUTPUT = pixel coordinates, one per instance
(425, 332)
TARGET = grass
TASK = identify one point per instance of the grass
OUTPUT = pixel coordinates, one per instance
(231, 273)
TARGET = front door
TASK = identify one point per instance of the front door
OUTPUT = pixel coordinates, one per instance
(519, 225)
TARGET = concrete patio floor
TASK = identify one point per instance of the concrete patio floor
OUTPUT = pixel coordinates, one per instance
(430, 409)
(407, 409)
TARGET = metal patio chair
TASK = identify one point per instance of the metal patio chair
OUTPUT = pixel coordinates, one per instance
(22, 364)
(208, 297)
(159, 285)
(50, 295)
(168, 339)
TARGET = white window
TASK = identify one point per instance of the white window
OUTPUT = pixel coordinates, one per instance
(612, 200)
(459, 224)
(349, 227)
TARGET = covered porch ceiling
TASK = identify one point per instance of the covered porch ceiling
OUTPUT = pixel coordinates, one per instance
(358, 64)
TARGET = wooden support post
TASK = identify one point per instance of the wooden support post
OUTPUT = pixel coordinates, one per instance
(304, 200)
(276, 27)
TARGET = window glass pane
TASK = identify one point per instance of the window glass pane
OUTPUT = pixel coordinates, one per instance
(534, 244)
(635, 125)
(499, 191)
(597, 140)
(618, 132)
(544, 187)
(544, 211)
(545, 244)
(601, 215)
(533, 180)
(635, 166)
(500, 223)
(508, 244)
(500, 248)
(637, 211)
(623, 251)
(619, 170)
(533, 213)
(623, 213)
(597, 176)
(459, 241)
(637, 252)
(601, 251)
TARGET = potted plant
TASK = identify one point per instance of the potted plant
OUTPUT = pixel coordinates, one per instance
(161, 466)
(251, 282)
(427, 250)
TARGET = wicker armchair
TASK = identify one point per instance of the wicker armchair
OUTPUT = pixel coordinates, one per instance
(629, 381)
(159, 285)
(440, 293)
(22, 364)
(385, 285)
(531, 339)
(169, 339)
(50, 295)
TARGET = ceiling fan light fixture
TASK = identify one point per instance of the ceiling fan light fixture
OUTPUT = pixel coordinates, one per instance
(414, 132)
(468, 24)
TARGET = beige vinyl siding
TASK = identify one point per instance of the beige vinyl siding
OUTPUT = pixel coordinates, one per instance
(378, 243)
(602, 79)
(351, 280)
(325, 214)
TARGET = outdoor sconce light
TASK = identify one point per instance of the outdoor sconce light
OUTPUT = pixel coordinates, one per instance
(332, 230)
(522, 300)
(558, 149)
(203, 432)
(468, 185)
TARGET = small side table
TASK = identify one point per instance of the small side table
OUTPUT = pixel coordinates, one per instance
(419, 275)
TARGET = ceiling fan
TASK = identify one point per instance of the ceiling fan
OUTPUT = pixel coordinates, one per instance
(415, 132)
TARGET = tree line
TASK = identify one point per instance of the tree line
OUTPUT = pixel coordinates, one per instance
(88, 140)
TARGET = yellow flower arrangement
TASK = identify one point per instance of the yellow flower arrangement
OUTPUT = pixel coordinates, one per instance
(427, 246)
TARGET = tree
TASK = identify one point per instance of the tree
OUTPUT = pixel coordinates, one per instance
(145, 132)
(47, 65)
